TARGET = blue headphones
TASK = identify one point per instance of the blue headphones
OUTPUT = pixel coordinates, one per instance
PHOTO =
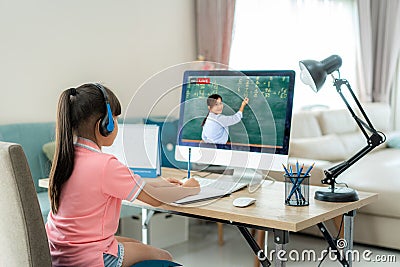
(107, 123)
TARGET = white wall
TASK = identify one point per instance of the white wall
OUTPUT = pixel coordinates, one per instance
(47, 46)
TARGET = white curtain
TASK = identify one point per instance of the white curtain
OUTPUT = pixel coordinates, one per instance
(379, 48)
(396, 101)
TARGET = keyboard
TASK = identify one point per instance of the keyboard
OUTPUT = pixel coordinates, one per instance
(212, 189)
(221, 184)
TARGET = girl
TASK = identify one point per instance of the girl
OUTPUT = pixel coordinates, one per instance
(215, 125)
(87, 186)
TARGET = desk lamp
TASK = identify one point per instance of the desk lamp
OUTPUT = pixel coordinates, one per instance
(313, 73)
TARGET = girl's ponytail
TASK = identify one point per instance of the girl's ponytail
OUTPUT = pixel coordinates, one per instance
(63, 161)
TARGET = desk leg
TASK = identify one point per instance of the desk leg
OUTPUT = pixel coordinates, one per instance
(281, 238)
(333, 245)
(146, 216)
(262, 239)
(348, 235)
(256, 248)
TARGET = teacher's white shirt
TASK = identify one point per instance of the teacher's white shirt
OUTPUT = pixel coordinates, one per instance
(215, 129)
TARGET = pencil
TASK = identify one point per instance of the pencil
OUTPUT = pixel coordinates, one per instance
(286, 170)
(190, 153)
(309, 169)
(300, 170)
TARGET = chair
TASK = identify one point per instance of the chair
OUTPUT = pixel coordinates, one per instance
(23, 238)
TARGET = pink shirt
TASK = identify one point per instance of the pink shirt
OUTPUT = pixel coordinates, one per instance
(90, 204)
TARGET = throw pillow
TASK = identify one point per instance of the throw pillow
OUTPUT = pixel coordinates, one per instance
(394, 141)
(49, 150)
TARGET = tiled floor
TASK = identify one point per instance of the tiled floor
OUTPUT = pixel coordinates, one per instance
(202, 249)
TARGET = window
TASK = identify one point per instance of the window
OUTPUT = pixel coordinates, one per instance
(272, 35)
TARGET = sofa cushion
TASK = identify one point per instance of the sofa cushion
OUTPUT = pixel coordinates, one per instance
(377, 172)
(305, 125)
(378, 114)
(329, 147)
(337, 122)
(44, 204)
(353, 142)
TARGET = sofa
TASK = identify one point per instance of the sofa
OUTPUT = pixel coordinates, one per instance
(328, 137)
(32, 137)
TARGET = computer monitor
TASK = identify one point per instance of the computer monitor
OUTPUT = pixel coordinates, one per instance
(260, 140)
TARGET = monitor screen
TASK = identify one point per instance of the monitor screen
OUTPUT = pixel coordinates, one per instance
(236, 118)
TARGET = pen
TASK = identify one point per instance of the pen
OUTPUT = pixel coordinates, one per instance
(190, 153)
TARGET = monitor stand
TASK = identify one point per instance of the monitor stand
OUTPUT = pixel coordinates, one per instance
(218, 169)
(253, 176)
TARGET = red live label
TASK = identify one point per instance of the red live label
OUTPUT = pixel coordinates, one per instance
(203, 80)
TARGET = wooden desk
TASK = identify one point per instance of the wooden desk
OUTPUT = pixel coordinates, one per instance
(269, 213)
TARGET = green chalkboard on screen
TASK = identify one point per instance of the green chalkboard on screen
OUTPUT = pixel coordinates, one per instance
(264, 118)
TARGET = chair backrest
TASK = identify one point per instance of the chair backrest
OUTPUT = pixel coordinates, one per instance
(23, 240)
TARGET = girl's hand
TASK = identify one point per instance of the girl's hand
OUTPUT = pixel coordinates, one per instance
(174, 181)
(191, 183)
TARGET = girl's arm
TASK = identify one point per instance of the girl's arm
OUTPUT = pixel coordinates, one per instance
(165, 182)
(155, 193)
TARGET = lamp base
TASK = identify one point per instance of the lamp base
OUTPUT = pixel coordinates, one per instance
(338, 194)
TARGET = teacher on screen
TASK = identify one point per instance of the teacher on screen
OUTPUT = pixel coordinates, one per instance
(215, 125)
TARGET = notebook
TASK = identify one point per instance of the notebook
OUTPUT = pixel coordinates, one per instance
(138, 147)
(213, 188)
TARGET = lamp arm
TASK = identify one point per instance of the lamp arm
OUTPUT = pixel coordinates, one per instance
(361, 124)
(332, 173)
(372, 141)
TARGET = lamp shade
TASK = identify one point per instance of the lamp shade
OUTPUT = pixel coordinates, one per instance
(313, 73)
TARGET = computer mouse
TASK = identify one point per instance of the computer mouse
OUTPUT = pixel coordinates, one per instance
(242, 202)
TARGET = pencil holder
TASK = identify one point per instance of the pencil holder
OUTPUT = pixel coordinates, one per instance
(297, 189)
